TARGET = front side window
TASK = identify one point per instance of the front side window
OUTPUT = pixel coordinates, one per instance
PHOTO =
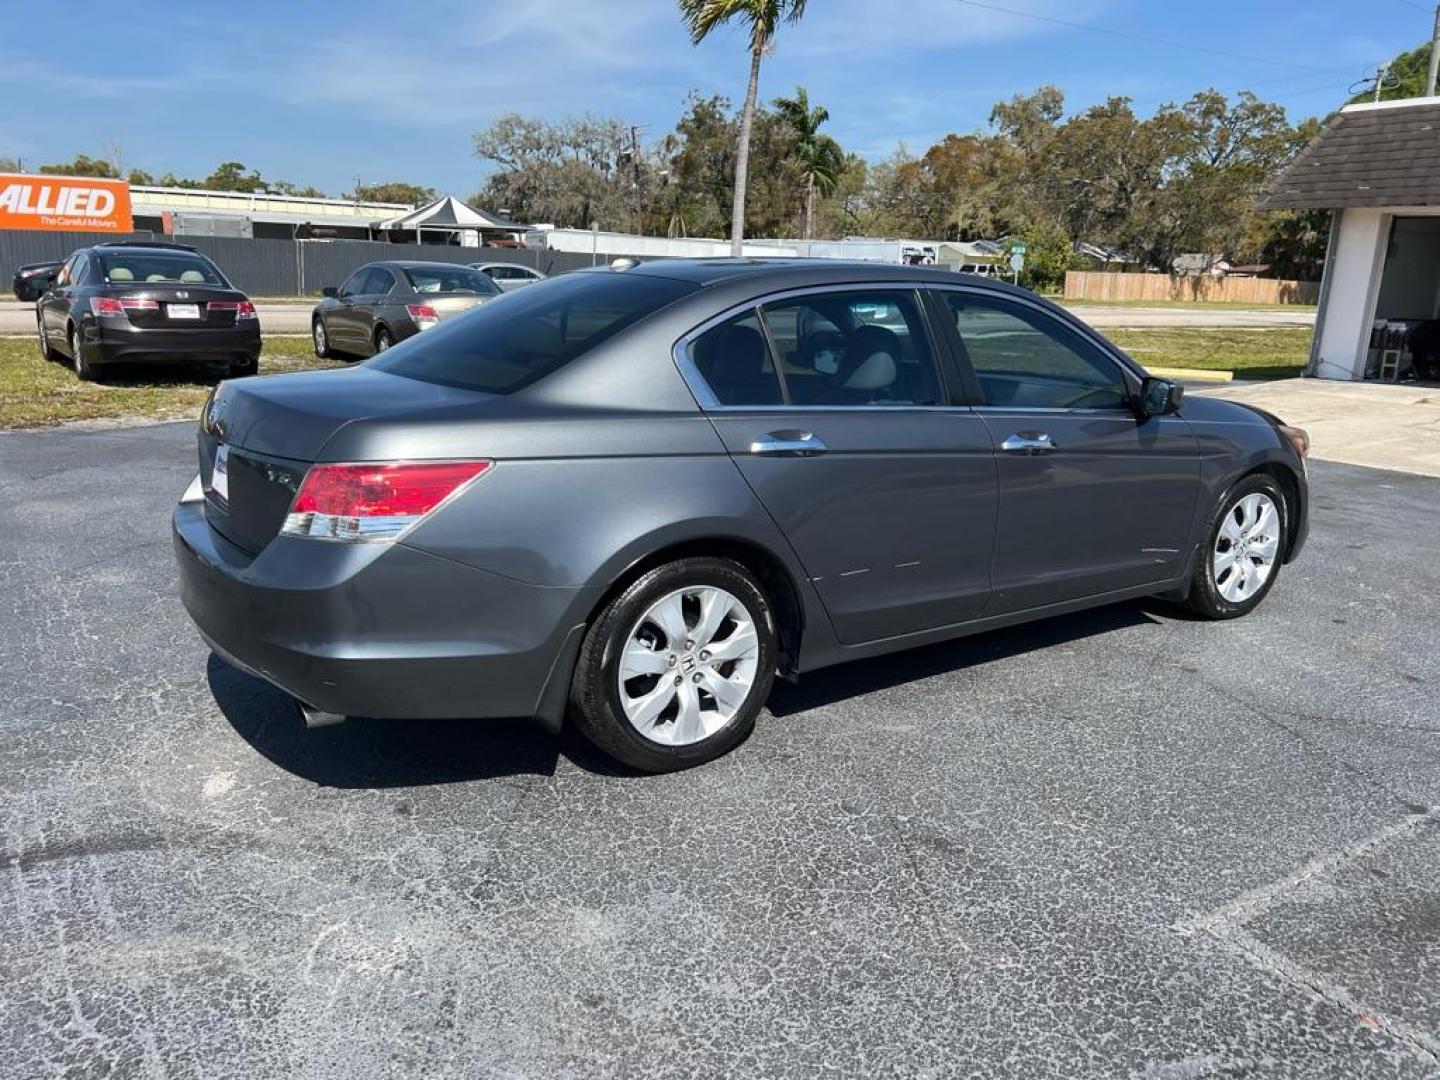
(1023, 358)
(155, 268)
(355, 282)
(502, 347)
(735, 363)
(858, 348)
(379, 282)
(459, 279)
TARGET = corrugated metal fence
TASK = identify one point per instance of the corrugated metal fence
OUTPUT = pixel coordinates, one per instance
(285, 267)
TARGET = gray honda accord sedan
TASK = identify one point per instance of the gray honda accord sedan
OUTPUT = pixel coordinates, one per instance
(634, 495)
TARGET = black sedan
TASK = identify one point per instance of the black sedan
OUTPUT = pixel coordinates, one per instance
(146, 302)
(32, 279)
(634, 496)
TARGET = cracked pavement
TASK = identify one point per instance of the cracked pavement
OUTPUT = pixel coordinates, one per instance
(1121, 843)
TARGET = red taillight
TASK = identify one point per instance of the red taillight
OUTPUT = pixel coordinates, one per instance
(367, 501)
(423, 314)
(108, 305)
(243, 309)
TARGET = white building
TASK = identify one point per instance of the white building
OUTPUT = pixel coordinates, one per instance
(1377, 168)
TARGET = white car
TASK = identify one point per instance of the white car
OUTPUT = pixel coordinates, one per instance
(509, 276)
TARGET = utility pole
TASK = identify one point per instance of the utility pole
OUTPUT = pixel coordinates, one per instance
(1380, 77)
(1434, 55)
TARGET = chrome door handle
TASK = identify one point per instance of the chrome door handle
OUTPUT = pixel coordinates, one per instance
(1029, 442)
(788, 444)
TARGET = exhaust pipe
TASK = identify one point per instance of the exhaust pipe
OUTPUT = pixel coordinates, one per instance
(318, 718)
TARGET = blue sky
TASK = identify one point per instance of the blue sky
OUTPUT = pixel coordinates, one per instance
(321, 93)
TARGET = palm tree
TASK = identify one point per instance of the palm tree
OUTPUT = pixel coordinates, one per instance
(764, 18)
(817, 157)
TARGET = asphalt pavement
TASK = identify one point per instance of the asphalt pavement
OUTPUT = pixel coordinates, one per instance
(294, 318)
(1121, 843)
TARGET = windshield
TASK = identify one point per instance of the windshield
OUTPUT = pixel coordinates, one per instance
(153, 267)
(458, 279)
(509, 343)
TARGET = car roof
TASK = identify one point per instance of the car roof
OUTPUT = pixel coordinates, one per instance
(143, 249)
(801, 273)
(422, 264)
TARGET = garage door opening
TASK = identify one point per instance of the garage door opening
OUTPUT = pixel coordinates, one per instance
(1405, 340)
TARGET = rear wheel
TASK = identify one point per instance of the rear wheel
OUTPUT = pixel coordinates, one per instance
(1243, 550)
(82, 367)
(245, 368)
(677, 667)
(383, 340)
(321, 339)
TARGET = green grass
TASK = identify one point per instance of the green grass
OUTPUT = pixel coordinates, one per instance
(1186, 305)
(1251, 354)
(35, 392)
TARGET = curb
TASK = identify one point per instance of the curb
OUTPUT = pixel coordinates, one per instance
(1192, 374)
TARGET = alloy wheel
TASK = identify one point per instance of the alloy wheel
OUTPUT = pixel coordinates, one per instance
(688, 665)
(318, 332)
(75, 352)
(1246, 547)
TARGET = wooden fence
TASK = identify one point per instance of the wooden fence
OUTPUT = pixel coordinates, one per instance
(1138, 288)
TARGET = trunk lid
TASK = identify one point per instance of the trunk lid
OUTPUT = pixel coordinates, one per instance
(448, 305)
(274, 427)
(179, 306)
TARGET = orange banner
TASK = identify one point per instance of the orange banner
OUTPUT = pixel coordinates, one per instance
(64, 204)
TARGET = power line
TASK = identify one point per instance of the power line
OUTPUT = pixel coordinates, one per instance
(1417, 7)
(1147, 39)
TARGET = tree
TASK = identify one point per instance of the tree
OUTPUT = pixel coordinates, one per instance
(392, 191)
(83, 165)
(764, 18)
(816, 157)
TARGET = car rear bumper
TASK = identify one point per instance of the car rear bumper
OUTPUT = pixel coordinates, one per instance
(377, 630)
(104, 343)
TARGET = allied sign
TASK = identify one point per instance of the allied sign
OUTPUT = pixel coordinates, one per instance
(64, 204)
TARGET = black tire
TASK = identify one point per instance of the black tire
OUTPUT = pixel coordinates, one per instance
(1206, 598)
(245, 368)
(49, 353)
(82, 367)
(383, 340)
(595, 690)
(320, 339)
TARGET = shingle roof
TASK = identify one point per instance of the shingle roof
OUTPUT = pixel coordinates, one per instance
(1370, 155)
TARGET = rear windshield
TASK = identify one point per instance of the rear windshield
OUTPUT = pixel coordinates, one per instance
(460, 279)
(525, 335)
(155, 267)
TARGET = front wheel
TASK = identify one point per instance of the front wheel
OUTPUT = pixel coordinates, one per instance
(1243, 550)
(677, 667)
(83, 367)
(320, 339)
(245, 369)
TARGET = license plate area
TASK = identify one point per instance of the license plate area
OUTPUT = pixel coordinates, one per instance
(182, 311)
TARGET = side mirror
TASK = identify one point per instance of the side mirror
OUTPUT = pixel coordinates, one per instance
(1160, 397)
(330, 291)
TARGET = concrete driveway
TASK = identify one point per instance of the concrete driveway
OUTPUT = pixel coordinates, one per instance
(1122, 843)
(1380, 425)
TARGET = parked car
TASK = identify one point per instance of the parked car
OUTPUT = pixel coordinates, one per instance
(32, 279)
(134, 301)
(509, 276)
(383, 303)
(638, 494)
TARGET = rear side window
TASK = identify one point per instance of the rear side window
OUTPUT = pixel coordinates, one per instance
(461, 279)
(854, 348)
(378, 282)
(125, 268)
(509, 343)
(735, 363)
(1023, 358)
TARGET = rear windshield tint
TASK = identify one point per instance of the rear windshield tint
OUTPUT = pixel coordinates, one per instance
(138, 267)
(460, 279)
(523, 336)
